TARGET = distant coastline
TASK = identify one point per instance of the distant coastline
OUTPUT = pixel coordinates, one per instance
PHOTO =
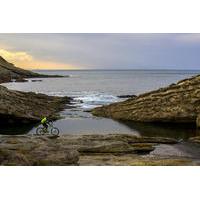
(9, 72)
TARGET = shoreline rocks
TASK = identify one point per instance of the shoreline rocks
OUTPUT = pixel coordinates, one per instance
(177, 103)
(109, 149)
(126, 96)
(20, 79)
(35, 80)
(195, 139)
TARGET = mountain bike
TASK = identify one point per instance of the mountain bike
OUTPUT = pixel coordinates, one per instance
(51, 129)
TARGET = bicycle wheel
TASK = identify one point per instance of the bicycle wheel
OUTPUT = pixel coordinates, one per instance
(55, 131)
(39, 131)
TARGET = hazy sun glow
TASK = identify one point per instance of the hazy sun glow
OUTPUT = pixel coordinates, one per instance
(26, 61)
(101, 50)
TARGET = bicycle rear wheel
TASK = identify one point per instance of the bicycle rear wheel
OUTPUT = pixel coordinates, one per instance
(55, 131)
(39, 131)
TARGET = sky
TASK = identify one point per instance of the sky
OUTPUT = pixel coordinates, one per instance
(101, 51)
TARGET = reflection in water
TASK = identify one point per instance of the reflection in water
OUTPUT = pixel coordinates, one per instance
(178, 131)
(106, 126)
(14, 129)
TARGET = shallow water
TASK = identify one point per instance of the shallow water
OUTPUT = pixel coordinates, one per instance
(96, 88)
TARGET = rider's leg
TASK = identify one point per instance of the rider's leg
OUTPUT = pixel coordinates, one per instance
(45, 126)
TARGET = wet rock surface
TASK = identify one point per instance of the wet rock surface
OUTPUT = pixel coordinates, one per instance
(177, 103)
(109, 149)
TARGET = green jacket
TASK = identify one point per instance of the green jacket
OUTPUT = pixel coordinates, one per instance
(44, 120)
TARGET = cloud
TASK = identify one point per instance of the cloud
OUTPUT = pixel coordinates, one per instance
(27, 61)
(16, 56)
(105, 51)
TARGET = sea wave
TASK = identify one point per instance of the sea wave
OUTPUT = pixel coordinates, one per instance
(88, 99)
(92, 100)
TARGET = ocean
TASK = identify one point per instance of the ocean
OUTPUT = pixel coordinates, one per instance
(92, 88)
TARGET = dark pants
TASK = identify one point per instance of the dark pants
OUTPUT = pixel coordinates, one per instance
(45, 125)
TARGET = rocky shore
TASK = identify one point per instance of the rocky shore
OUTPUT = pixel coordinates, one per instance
(177, 103)
(28, 107)
(21, 107)
(109, 149)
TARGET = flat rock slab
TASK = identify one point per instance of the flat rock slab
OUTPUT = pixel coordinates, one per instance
(108, 149)
(133, 160)
(117, 148)
(24, 150)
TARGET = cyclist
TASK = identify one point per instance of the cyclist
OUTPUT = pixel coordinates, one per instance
(44, 123)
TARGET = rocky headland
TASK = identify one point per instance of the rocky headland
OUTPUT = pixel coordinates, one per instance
(177, 103)
(109, 149)
(9, 72)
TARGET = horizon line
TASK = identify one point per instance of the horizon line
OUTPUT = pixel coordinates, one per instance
(98, 69)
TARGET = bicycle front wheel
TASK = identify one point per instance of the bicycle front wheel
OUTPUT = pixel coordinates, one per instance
(55, 131)
(39, 131)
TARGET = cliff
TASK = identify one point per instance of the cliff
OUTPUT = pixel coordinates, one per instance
(176, 103)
